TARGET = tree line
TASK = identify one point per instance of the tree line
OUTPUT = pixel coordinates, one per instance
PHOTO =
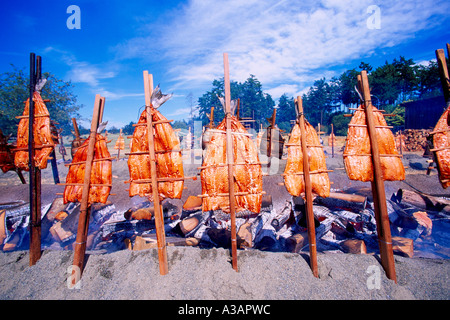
(325, 102)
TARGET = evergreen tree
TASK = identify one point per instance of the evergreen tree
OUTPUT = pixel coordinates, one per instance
(429, 83)
(285, 112)
(14, 90)
(253, 101)
(347, 82)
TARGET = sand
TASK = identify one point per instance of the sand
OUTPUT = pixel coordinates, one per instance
(196, 273)
(207, 274)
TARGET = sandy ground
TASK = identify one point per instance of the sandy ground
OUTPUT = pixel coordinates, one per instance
(196, 273)
(207, 274)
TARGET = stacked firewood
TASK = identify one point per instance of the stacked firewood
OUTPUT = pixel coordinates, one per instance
(414, 139)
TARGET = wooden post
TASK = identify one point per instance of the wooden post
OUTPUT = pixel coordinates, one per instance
(62, 149)
(83, 221)
(75, 128)
(211, 119)
(448, 50)
(443, 73)
(119, 139)
(270, 131)
(159, 219)
(35, 177)
(308, 192)
(332, 141)
(378, 191)
(230, 161)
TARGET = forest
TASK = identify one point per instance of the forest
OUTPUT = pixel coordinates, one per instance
(327, 101)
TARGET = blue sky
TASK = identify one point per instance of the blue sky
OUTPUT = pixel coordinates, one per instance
(286, 44)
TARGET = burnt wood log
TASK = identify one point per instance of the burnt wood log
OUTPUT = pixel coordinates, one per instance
(150, 242)
(422, 201)
(403, 246)
(296, 242)
(244, 235)
(190, 223)
(354, 246)
(193, 203)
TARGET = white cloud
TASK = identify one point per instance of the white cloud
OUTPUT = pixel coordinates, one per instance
(425, 63)
(84, 72)
(117, 95)
(289, 89)
(180, 111)
(91, 74)
(283, 43)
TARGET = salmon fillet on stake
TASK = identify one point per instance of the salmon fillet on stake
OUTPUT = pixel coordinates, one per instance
(169, 163)
(247, 175)
(41, 135)
(101, 173)
(293, 179)
(357, 152)
(441, 142)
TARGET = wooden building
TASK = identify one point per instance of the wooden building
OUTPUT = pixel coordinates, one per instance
(423, 114)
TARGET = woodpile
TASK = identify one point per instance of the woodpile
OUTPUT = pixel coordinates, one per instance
(413, 139)
(343, 222)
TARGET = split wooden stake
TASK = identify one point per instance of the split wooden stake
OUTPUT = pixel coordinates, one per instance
(75, 128)
(35, 175)
(270, 131)
(159, 218)
(83, 220)
(211, 119)
(443, 73)
(308, 191)
(230, 161)
(333, 138)
(378, 191)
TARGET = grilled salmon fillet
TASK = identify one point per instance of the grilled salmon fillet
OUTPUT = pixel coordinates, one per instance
(101, 173)
(41, 135)
(247, 174)
(169, 163)
(441, 140)
(357, 152)
(293, 179)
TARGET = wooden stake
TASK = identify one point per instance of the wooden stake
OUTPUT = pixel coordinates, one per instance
(443, 73)
(35, 176)
(75, 127)
(119, 142)
(308, 192)
(83, 220)
(270, 130)
(448, 50)
(159, 218)
(211, 118)
(230, 161)
(378, 191)
(332, 141)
